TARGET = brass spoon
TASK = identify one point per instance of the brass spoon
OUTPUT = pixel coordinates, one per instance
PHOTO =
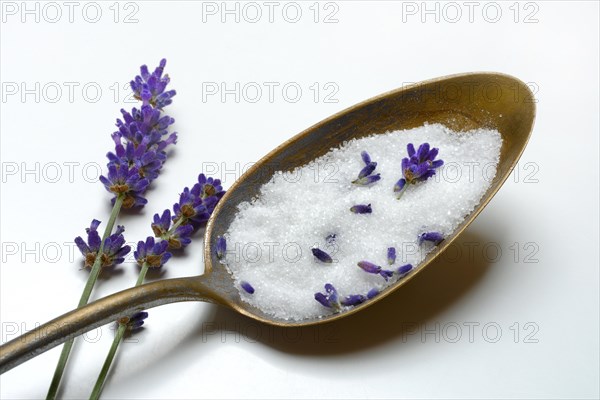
(461, 102)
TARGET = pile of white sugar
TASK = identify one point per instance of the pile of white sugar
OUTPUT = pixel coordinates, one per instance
(270, 239)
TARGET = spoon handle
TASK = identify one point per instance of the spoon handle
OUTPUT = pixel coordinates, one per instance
(101, 312)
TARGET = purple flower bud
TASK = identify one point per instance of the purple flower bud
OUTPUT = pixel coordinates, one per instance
(221, 247)
(434, 237)
(367, 170)
(399, 186)
(353, 300)
(247, 287)
(405, 269)
(391, 255)
(361, 209)
(135, 321)
(321, 255)
(365, 157)
(328, 299)
(364, 176)
(369, 267)
(367, 180)
(386, 274)
(372, 293)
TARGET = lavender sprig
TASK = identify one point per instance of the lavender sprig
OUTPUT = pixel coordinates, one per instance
(140, 143)
(173, 231)
(419, 166)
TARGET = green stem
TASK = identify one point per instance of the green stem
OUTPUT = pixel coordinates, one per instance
(85, 296)
(115, 345)
(109, 358)
(173, 228)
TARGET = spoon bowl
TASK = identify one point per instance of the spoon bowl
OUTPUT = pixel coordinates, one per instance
(461, 102)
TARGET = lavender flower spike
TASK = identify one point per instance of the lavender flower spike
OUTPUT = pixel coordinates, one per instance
(372, 293)
(113, 253)
(434, 237)
(247, 287)
(391, 255)
(330, 298)
(150, 88)
(361, 209)
(419, 166)
(152, 253)
(221, 247)
(321, 255)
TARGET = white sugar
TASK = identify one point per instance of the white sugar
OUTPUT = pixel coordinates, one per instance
(270, 239)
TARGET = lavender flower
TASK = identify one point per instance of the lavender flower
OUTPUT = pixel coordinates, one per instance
(221, 247)
(141, 139)
(419, 166)
(122, 180)
(134, 322)
(372, 293)
(321, 255)
(403, 270)
(150, 88)
(193, 209)
(247, 287)
(365, 176)
(353, 300)
(434, 237)
(375, 269)
(114, 251)
(152, 253)
(361, 209)
(330, 298)
(180, 237)
(391, 255)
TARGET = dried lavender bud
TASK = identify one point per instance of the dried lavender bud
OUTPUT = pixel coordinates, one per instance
(391, 255)
(221, 247)
(403, 270)
(434, 237)
(247, 287)
(321, 255)
(367, 180)
(330, 298)
(364, 176)
(361, 209)
(372, 293)
(353, 300)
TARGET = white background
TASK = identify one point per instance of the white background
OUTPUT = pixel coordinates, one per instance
(403, 347)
